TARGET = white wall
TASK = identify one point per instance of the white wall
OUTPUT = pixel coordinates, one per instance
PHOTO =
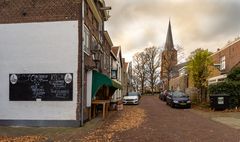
(47, 47)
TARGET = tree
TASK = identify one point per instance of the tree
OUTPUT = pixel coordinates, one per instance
(152, 66)
(198, 68)
(139, 72)
(234, 75)
(135, 82)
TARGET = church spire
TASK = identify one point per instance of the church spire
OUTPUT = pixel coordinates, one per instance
(169, 40)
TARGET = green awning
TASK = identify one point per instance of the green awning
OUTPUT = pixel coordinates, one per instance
(116, 84)
(99, 80)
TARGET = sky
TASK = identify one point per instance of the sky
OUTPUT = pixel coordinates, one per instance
(207, 24)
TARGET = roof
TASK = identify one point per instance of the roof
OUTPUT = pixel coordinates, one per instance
(117, 53)
(226, 46)
(169, 40)
(106, 34)
(113, 55)
(175, 69)
(115, 50)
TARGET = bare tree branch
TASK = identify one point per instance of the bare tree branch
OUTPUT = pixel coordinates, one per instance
(152, 66)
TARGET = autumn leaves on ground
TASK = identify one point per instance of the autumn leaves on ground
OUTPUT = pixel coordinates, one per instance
(23, 139)
(130, 117)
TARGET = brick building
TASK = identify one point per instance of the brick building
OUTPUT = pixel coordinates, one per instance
(225, 60)
(179, 78)
(51, 54)
(125, 77)
(169, 59)
(117, 65)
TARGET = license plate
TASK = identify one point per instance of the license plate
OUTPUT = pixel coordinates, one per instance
(182, 103)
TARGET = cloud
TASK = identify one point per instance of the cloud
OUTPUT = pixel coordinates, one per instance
(136, 23)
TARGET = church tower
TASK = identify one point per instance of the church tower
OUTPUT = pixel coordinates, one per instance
(169, 58)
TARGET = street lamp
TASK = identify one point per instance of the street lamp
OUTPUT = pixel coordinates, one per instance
(97, 59)
(114, 73)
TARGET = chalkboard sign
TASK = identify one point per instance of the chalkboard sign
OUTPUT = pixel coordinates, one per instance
(45, 87)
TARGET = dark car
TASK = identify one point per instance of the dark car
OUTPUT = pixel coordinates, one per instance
(164, 95)
(178, 99)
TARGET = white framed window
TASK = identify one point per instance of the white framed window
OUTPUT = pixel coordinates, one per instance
(100, 29)
(86, 40)
(105, 60)
(94, 44)
(222, 63)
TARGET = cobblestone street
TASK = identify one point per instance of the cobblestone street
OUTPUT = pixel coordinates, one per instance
(166, 124)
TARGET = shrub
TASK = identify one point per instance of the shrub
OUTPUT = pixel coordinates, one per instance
(231, 88)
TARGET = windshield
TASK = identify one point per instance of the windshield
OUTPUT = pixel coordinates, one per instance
(179, 95)
(133, 94)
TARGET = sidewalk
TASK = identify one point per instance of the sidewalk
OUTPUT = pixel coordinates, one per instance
(231, 119)
(94, 130)
(50, 133)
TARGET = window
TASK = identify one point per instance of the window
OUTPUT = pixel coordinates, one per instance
(108, 62)
(222, 63)
(100, 29)
(94, 44)
(86, 40)
(104, 60)
(86, 9)
(119, 72)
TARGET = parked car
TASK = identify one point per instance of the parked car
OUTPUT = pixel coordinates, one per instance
(164, 95)
(132, 98)
(178, 99)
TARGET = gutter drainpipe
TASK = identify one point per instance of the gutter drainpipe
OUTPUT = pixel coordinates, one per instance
(82, 82)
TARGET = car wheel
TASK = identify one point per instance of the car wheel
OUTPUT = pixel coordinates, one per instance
(172, 105)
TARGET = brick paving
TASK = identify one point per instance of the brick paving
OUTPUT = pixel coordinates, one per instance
(176, 125)
(161, 124)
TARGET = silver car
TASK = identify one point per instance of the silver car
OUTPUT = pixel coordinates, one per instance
(132, 98)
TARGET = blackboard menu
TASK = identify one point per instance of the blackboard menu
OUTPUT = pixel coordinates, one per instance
(44, 87)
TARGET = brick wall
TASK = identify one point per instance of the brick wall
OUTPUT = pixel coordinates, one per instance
(169, 59)
(91, 21)
(19, 11)
(107, 50)
(232, 58)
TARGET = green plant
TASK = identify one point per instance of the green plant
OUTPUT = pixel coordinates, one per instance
(198, 68)
(234, 75)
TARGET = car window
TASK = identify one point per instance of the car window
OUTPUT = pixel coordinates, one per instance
(133, 94)
(179, 95)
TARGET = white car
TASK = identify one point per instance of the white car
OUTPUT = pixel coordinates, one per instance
(132, 98)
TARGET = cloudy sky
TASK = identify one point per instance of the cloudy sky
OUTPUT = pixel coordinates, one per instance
(208, 24)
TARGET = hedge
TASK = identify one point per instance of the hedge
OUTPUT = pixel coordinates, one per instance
(231, 88)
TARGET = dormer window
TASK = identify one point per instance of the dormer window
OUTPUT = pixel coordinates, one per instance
(222, 63)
